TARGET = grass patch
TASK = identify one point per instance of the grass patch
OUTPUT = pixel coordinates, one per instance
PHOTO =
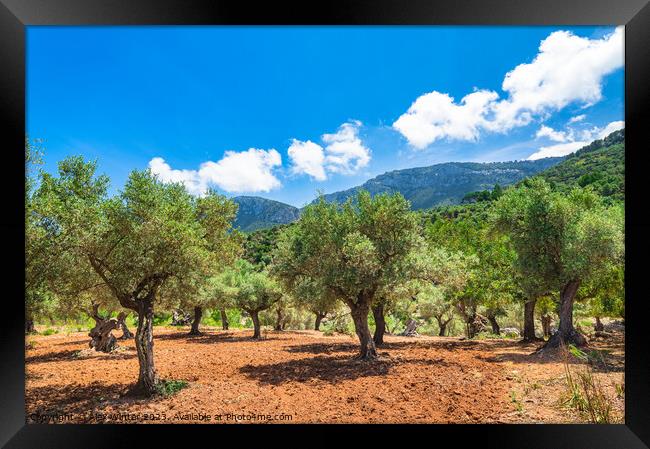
(519, 406)
(584, 392)
(170, 387)
(50, 331)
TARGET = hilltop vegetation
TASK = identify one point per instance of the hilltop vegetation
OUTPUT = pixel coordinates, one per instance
(600, 165)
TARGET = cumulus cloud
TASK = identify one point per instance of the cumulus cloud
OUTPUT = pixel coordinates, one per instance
(435, 115)
(344, 153)
(556, 136)
(238, 172)
(194, 184)
(570, 144)
(307, 157)
(567, 69)
(560, 149)
(610, 128)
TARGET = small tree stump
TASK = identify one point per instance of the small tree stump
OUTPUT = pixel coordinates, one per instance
(411, 329)
(101, 336)
(180, 318)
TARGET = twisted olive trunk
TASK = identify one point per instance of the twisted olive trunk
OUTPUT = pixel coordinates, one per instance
(567, 334)
(29, 326)
(442, 325)
(599, 325)
(496, 329)
(147, 377)
(278, 320)
(224, 319)
(546, 325)
(380, 324)
(319, 318)
(198, 314)
(360, 311)
(256, 323)
(121, 322)
(529, 320)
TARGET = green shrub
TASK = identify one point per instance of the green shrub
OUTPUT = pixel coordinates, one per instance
(170, 387)
(50, 331)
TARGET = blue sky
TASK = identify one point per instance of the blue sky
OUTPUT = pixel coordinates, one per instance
(284, 112)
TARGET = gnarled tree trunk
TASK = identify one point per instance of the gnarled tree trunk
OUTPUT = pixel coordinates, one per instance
(360, 311)
(566, 333)
(546, 325)
(496, 330)
(442, 325)
(598, 327)
(198, 314)
(101, 336)
(319, 318)
(380, 324)
(224, 319)
(411, 328)
(29, 326)
(256, 323)
(147, 377)
(529, 320)
(278, 320)
(121, 323)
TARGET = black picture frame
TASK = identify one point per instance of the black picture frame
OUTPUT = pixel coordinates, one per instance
(15, 15)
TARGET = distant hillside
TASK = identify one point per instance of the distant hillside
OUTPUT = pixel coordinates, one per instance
(260, 213)
(447, 183)
(600, 164)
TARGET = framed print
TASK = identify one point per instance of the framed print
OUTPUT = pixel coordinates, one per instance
(355, 213)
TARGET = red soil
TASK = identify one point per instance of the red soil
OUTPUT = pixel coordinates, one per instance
(303, 374)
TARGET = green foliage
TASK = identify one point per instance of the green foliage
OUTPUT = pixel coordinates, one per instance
(168, 388)
(483, 195)
(559, 237)
(259, 246)
(348, 252)
(600, 165)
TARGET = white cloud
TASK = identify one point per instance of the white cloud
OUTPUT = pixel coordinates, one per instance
(194, 184)
(610, 128)
(343, 153)
(567, 69)
(556, 136)
(246, 171)
(561, 149)
(570, 145)
(577, 118)
(435, 116)
(307, 157)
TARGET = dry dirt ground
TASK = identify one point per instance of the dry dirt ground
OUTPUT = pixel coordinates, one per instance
(303, 376)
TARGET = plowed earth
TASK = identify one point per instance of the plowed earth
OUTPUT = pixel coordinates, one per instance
(303, 376)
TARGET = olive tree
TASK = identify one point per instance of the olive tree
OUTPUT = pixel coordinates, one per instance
(350, 251)
(252, 291)
(135, 242)
(561, 240)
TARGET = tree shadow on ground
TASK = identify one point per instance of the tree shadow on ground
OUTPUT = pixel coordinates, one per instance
(79, 400)
(328, 348)
(332, 369)
(211, 338)
(72, 355)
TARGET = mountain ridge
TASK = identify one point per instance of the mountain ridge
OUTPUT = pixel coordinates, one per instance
(424, 187)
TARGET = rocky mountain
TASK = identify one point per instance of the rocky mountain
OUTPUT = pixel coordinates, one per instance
(259, 213)
(446, 183)
(424, 187)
